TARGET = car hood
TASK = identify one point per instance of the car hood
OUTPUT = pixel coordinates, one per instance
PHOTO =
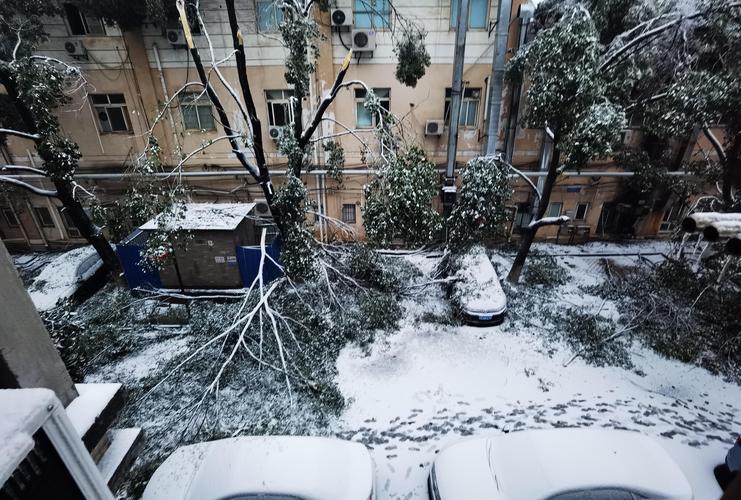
(463, 470)
(311, 468)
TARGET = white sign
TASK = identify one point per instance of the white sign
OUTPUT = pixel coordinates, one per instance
(219, 259)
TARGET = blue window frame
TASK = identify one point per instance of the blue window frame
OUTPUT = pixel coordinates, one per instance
(372, 14)
(478, 14)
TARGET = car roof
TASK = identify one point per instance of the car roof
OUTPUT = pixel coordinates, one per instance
(538, 464)
(310, 468)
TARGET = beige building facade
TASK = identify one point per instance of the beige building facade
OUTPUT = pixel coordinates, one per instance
(132, 74)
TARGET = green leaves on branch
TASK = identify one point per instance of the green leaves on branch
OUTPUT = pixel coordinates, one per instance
(412, 56)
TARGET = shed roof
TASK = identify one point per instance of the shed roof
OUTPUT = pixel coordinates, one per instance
(203, 217)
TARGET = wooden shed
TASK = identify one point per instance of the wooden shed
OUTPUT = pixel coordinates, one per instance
(210, 259)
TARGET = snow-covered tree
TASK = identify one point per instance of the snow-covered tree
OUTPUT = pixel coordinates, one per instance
(36, 86)
(567, 97)
(480, 210)
(398, 204)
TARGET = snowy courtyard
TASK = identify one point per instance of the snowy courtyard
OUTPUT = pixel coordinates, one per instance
(412, 391)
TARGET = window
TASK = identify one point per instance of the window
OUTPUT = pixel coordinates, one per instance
(478, 14)
(348, 213)
(363, 117)
(469, 107)
(10, 217)
(196, 110)
(280, 112)
(43, 216)
(581, 211)
(523, 216)
(69, 224)
(269, 16)
(81, 24)
(373, 14)
(112, 113)
(554, 209)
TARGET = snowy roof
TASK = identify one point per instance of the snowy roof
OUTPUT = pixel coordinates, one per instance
(62, 277)
(311, 468)
(204, 217)
(478, 288)
(563, 460)
(22, 412)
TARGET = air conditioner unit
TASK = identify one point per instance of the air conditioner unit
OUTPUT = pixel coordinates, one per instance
(75, 48)
(262, 209)
(434, 127)
(43, 455)
(342, 18)
(176, 37)
(363, 40)
(274, 132)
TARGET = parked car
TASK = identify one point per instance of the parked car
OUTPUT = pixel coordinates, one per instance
(563, 464)
(265, 468)
(477, 293)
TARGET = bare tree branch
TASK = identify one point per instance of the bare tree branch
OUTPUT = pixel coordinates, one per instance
(715, 142)
(23, 169)
(18, 133)
(15, 182)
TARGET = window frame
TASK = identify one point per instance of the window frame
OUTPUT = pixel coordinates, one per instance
(84, 21)
(354, 213)
(187, 101)
(360, 94)
(38, 211)
(68, 223)
(586, 210)
(666, 219)
(104, 107)
(373, 13)
(285, 99)
(9, 210)
(277, 18)
(549, 210)
(454, 14)
(465, 104)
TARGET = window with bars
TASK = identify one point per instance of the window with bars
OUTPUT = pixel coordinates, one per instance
(469, 107)
(113, 115)
(43, 216)
(10, 217)
(478, 14)
(196, 110)
(363, 117)
(269, 16)
(280, 112)
(69, 224)
(372, 14)
(79, 23)
(581, 211)
(348, 213)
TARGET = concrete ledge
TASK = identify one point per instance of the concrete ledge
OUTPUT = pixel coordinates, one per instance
(123, 447)
(93, 411)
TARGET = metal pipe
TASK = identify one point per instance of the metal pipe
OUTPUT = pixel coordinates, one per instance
(496, 81)
(457, 85)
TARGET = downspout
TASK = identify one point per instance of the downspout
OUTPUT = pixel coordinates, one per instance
(166, 96)
(319, 207)
(456, 91)
(324, 205)
(496, 81)
(525, 15)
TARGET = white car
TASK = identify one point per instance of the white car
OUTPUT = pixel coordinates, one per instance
(477, 292)
(563, 464)
(265, 468)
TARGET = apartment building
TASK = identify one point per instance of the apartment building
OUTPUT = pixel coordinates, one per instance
(132, 73)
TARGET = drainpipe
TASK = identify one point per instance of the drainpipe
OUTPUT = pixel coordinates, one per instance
(456, 91)
(156, 52)
(525, 15)
(319, 207)
(324, 205)
(496, 81)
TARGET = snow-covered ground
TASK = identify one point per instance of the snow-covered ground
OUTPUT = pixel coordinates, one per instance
(61, 277)
(417, 390)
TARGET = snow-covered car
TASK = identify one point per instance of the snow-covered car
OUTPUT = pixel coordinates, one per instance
(477, 293)
(563, 464)
(265, 468)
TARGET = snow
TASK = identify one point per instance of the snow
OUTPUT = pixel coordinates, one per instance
(477, 285)
(85, 409)
(546, 221)
(122, 440)
(311, 468)
(204, 217)
(418, 390)
(61, 277)
(22, 412)
(144, 363)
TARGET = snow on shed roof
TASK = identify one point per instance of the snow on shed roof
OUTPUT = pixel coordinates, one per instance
(204, 217)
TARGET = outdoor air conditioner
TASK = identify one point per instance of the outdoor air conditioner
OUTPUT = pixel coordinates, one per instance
(342, 18)
(42, 454)
(434, 127)
(363, 40)
(176, 37)
(274, 132)
(75, 48)
(262, 209)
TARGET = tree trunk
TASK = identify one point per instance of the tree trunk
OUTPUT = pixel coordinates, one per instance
(529, 235)
(92, 233)
(731, 174)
